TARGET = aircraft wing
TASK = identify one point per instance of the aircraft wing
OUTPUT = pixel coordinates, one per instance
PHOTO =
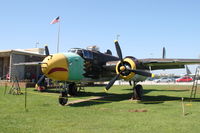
(28, 64)
(155, 64)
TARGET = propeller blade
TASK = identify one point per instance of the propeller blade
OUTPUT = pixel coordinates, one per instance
(40, 80)
(130, 83)
(112, 82)
(118, 49)
(164, 53)
(46, 50)
(142, 72)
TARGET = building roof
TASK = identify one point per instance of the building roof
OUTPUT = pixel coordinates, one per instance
(33, 52)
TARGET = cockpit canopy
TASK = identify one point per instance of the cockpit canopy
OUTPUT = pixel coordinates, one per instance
(82, 52)
(93, 48)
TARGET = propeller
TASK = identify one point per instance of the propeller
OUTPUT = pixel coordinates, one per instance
(125, 69)
(119, 52)
(164, 53)
(130, 83)
(112, 81)
(141, 72)
(43, 76)
(40, 80)
(46, 50)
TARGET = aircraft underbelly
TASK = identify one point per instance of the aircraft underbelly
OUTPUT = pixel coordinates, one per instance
(138, 78)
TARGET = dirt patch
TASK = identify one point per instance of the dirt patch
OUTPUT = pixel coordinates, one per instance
(83, 100)
(137, 110)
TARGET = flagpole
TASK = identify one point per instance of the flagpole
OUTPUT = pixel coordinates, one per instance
(58, 37)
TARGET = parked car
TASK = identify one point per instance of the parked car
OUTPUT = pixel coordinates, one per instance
(185, 79)
(163, 79)
(150, 79)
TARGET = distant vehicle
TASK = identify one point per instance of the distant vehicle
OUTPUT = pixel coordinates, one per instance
(175, 78)
(164, 79)
(150, 79)
(185, 79)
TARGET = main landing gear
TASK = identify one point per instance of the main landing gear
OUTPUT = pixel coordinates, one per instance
(137, 91)
(68, 88)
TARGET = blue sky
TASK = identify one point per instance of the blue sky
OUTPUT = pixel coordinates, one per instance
(144, 26)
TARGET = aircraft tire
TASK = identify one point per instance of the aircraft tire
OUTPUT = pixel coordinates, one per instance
(138, 92)
(63, 98)
(73, 89)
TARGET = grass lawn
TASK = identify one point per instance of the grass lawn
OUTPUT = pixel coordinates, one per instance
(160, 112)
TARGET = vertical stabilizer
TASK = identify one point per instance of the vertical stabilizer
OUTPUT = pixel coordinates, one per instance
(164, 53)
(187, 70)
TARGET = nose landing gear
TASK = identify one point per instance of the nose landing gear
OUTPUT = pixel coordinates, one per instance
(68, 88)
(63, 98)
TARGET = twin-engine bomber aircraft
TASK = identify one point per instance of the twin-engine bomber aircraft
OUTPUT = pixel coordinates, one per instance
(81, 65)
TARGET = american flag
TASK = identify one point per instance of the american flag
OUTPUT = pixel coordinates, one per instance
(56, 20)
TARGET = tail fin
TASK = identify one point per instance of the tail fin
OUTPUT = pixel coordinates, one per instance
(164, 53)
(187, 70)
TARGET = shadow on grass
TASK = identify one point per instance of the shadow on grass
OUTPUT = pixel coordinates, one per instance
(159, 99)
(113, 97)
(50, 91)
(102, 99)
(109, 98)
(149, 90)
(147, 99)
(121, 97)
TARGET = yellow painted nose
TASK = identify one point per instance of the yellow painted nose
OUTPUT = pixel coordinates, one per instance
(55, 67)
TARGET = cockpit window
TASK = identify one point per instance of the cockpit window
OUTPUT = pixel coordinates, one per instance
(84, 53)
(87, 54)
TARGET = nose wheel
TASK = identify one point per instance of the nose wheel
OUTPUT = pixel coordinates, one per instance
(63, 98)
(68, 88)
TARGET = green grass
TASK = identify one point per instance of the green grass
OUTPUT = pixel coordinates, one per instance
(112, 114)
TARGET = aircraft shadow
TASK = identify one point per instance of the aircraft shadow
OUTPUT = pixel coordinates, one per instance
(50, 91)
(112, 97)
(147, 99)
(149, 90)
(102, 99)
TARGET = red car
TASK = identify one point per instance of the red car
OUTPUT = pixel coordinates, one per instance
(184, 79)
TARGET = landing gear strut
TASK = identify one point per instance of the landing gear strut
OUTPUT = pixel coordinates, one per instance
(72, 89)
(63, 98)
(68, 88)
(137, 92)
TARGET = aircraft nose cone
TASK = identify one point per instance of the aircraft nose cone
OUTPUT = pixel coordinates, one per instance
(55, 67)
(44, 64)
